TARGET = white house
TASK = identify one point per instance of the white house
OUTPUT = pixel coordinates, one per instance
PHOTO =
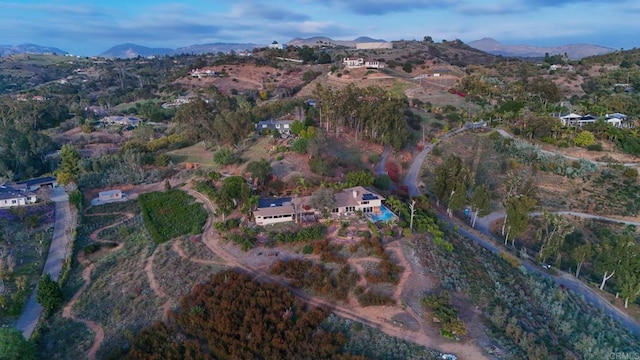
(352, 62)
(283, 126)
(373, 64)
(273, 211)
(348, 201)
(110, 195)
(10, 197)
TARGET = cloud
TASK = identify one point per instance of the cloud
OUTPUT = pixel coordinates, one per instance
(264, 11)
(382, 7)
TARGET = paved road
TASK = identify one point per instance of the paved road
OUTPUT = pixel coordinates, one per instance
(381, 167)
(487, 240)
(58, 252)
(482, 238)
(411, 179)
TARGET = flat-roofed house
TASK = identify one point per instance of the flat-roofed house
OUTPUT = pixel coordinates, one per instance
(273, 211)
(110, 195)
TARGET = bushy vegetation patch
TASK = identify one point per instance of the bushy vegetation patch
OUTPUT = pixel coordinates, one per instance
(373, 298)
(444, 314)
(519, 307)
(530, 154)
(328, 251)
(309, 233)
(171, 214)
(387, 271)
(233, 317)
(305, 274)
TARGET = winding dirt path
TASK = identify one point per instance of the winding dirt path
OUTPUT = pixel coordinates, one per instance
(153, 284)
(178, 250)
(379, 317)
(86, 276)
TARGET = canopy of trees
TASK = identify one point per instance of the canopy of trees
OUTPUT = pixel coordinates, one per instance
(371, 113)
(233, 317)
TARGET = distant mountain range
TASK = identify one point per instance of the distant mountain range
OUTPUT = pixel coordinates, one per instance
(322, 40)
(574, 51)
(132, 50)
(8, 50)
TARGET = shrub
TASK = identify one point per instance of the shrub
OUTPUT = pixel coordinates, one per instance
(371, 298)
(584, 139)
(630, 172)
(595, 147)
(48, 294)
(300, 146)
(224, 156)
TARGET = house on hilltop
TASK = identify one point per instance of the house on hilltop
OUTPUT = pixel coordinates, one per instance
(348, 201)
(283, 126)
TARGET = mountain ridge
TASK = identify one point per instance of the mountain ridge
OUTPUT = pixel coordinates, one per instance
(573, 51)
(28, 48)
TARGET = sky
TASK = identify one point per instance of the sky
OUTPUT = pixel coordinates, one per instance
(90, 27)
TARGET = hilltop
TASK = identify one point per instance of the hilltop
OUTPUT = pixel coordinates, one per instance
(7, 50)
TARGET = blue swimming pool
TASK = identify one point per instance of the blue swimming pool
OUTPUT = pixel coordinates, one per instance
(384, 215)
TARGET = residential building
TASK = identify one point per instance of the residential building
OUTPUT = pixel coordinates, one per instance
(283, 126)
(10, 197)
(110, 195)
(121, 120)
(373, 64)
(347, 202)
(48, 182)
(352, 62)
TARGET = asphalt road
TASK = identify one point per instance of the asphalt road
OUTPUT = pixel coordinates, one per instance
(58, 252)
(483, 237)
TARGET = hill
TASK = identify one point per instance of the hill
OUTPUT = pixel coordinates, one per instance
(574, 51)
(323, 40)
(7, 50)
(129, 50)
(215, 48)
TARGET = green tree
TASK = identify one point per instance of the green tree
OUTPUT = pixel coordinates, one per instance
(451, 181)
(581, 254)
(551, 233)
(224, 156)
(13, 346)
(358, 178)
(324, 200)
(517, 216)
(69, 168)
(382, 182)
(48, 294)
(300, 146)
(76, 198)
(259, 170)
(480, 203)
(297, 127)
(584, 139)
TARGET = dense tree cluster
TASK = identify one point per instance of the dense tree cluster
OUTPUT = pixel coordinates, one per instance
(233, 317)
(372, 113)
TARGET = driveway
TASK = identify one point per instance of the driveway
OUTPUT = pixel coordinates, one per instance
(58, 252)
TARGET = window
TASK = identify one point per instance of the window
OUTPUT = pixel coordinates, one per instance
(286, 126)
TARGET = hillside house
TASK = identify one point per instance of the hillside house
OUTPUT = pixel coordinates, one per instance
(10, 197)
(373, 64)
(121, 120)
(353, 62)
(110, 195)
(283, 126)
(48, 182)
(348, 201)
